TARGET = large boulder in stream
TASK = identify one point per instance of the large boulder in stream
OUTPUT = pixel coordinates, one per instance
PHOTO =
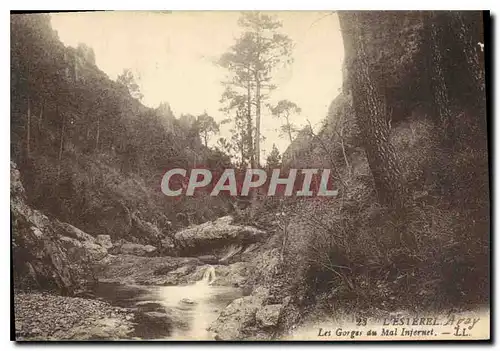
(47, 253)
(218, 233)
(237, 318)
(248, 317)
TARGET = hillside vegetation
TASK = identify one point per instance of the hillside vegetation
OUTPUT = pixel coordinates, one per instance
(90, 153)
(363, 250)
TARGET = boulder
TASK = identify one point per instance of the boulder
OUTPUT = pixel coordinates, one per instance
(143, 230)
(249, 318)
(188, 301)
(235, 274)
(80, 243)
(167, 247)
(238, 319)
(217, 233)
(73, 232)
(167, 243)
(136, 249)
(104, 241)
(268, 315)
(114, 219)
(83, 250)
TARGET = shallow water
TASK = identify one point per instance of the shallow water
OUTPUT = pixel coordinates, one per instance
(189, 309)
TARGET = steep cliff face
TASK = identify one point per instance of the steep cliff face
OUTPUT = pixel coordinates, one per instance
(48, 254)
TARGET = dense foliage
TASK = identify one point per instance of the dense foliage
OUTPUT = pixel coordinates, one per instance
(431, 249)
(90, 153)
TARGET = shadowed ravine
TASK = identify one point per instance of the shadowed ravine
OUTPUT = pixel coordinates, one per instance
(182, 312)
(114, 235)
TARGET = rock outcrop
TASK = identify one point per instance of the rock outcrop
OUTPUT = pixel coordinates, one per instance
(216, 234)
(144, 231)
(236, 320)
(79, 243)
(104, 241)
(126, 248)
(249, 317)
(49, 254)
(269, 315)
(131, 269)
(114, 219)
(167, 247)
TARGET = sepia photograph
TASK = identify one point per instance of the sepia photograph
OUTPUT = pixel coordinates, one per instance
(250, 176)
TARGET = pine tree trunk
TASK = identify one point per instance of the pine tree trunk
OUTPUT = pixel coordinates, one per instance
(28, 130)
(257, 122)
(251, 150)
(341, 135)
(471, 47)
(439, 85)
(381, 154)
(97, 134)
(370, 110)
(469, 35)
(370, 114)
(40, 119)
(289, 128)
(76, 67)
(242, 154)
(61, 145)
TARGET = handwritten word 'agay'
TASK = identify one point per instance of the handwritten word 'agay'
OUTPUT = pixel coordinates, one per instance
(303, 182)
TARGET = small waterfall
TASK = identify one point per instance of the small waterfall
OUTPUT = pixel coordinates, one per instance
(209, 276)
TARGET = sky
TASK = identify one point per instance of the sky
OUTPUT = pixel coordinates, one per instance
(172, 55)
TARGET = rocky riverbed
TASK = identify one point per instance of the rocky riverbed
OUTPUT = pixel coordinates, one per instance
(240, 300)
(159, 298)
(43, 316)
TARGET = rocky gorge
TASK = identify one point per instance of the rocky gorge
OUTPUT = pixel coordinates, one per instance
(74, 282)
(100, 253)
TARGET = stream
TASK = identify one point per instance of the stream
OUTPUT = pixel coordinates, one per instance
(182, 312)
